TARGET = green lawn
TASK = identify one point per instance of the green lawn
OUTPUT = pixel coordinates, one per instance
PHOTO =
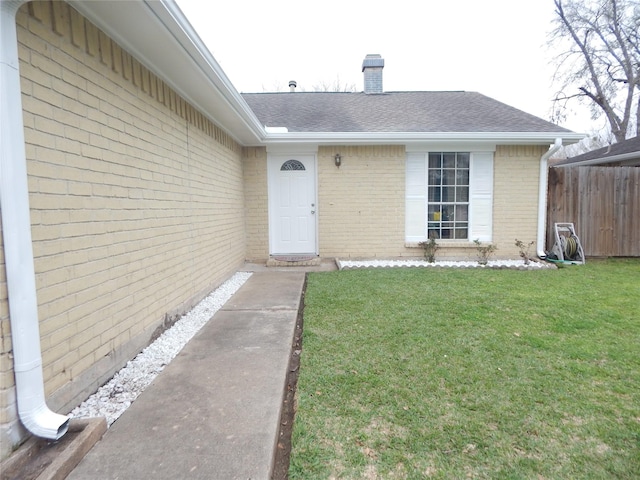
(475, 373)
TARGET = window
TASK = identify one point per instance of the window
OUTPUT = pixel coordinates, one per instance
(292, 165)
(449, 196)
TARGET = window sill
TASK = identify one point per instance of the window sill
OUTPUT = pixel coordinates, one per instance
(445, 244)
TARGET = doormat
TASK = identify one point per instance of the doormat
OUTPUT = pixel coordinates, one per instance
(290, 258)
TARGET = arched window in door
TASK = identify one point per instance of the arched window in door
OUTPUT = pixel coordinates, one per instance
(292, 165)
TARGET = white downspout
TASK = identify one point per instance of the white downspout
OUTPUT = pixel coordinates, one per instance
(542, 198)
(16, 231)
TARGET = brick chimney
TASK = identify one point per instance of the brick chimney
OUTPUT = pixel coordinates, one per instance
(372, 66)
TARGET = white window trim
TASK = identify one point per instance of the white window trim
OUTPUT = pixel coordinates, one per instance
(480, 196)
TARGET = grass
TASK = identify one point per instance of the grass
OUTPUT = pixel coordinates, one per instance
(443, 373)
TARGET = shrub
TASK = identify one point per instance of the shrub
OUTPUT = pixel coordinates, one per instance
(524, 250)
(430, 248)
(484, 251)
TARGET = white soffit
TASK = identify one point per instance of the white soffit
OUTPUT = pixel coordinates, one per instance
(158, 35)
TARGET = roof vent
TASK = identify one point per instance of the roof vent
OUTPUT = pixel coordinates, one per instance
(292, 85)
(372, 66)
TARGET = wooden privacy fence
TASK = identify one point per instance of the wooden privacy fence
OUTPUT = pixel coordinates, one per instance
(603, 203)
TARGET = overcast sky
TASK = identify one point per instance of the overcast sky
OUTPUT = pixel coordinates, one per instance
(495, 47)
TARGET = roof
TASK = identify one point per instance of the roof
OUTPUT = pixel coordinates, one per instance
(392, 112)
(626, 152)
(158, 34)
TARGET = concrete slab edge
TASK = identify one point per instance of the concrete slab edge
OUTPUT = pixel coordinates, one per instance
(282, 450)
(285, 383)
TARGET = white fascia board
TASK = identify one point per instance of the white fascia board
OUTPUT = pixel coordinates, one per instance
(159, 36)
(202, 57)
(598, 161)
(417, 138)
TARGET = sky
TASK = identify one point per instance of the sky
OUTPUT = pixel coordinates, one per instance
(495, 47)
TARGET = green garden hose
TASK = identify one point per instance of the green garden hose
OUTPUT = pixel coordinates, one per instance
(570, 247)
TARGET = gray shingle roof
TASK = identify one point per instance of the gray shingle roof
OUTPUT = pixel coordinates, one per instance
(392, 112)
(629, 146)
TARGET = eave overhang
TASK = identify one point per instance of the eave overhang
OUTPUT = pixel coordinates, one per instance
(631, 158)
(409, 138)
(157, 34)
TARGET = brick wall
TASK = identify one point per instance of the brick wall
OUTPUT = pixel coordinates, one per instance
(137, 205)
(515, 207)
(361, 204)
(9, 434)
(254, 160)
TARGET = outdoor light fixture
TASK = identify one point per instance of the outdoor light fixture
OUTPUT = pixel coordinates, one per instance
(338, 160)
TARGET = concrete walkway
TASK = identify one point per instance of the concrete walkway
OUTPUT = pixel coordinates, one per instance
(214, 412)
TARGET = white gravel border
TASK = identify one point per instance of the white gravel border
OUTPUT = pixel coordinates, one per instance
(114, 397)
(512, 264)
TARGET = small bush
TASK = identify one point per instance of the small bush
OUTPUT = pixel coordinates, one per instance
(524, 250)
(484, 251)
(430, 248)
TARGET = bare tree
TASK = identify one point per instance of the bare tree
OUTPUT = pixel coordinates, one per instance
(276, 86)
(335, 86)
(323, 86)
(593, 141)
(601, 60)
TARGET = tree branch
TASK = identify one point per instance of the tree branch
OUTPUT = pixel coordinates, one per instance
(605, 42)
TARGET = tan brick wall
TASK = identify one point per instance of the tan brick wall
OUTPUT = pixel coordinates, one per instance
(515, 210)
(9, 434)
(361, 204)
(254, 160)
(137, 204)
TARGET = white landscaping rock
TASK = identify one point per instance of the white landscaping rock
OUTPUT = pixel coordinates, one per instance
(514, 264)
(113, 398)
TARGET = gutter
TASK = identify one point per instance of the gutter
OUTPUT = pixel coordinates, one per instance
(542, 198)
(16, 232)
(274, 136)
(601, 160)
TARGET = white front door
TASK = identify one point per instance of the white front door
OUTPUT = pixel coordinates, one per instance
(292, 204)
